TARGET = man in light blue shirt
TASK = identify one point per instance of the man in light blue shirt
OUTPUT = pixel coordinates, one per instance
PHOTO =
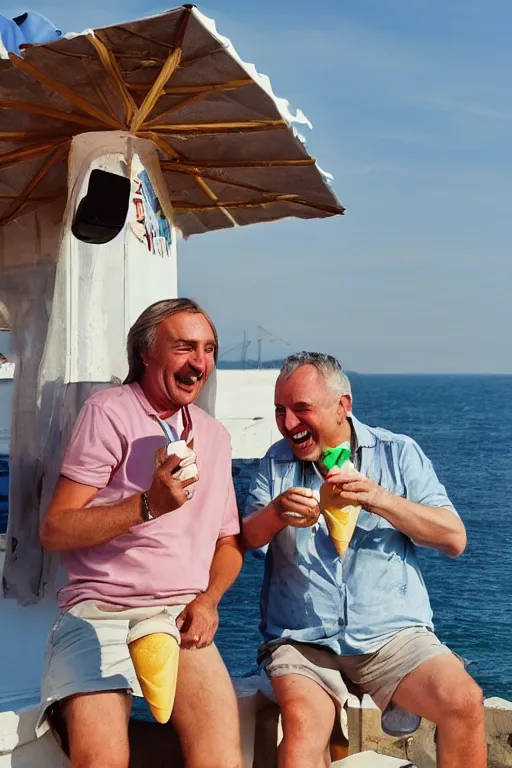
(363, 617)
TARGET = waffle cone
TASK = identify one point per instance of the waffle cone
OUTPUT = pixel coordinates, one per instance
(341, 521)
(155, 658)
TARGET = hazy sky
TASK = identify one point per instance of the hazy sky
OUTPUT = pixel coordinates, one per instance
(411, 105)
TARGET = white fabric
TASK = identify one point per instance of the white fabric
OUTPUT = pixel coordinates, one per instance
(69, 326)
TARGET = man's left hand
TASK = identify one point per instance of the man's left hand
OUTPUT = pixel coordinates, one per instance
(359, 490)
(198, 622)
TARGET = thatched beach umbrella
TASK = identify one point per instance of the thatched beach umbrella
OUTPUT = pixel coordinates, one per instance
(228, 150)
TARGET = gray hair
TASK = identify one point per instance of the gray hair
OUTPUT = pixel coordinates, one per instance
(142, 334)
(328, 366)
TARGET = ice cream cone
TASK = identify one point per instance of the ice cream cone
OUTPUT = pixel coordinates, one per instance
(155, 658)
(341, 521)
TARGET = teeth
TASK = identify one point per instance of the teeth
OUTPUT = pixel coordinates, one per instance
(300, 435)
(193, 379)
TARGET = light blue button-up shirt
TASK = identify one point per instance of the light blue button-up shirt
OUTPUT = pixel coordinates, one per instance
(354, 603)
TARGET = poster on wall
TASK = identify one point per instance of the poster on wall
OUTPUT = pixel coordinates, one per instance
(149, 224)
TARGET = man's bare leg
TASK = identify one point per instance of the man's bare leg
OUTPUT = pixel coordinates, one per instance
(442, 691)
(97, 727)
(205, 712)
(308, 714)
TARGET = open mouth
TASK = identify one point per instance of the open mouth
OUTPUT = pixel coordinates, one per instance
(301, 437)
(188, 380)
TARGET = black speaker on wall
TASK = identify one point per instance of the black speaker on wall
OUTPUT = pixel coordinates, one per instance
(101, 214)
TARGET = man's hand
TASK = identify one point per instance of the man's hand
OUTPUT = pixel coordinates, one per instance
(359, 490)
(298, 507)
(167, 493)
(198, 622)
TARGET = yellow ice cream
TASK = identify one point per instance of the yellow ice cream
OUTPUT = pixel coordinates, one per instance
(155, 658)
(341, 521)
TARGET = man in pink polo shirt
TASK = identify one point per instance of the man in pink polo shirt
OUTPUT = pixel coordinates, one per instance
(134, 537)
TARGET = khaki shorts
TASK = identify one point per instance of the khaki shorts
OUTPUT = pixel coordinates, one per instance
(87, 652)
(378, 673)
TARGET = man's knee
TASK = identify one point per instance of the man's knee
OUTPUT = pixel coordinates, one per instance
(100, 760)
(299, 711)
(463, 701)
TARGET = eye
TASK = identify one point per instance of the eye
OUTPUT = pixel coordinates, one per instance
(279, 410)
(210, 350)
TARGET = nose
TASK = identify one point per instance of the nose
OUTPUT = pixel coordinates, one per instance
(198, 359)
(290, 421)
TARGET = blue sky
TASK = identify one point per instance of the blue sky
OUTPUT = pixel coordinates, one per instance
(411, 105)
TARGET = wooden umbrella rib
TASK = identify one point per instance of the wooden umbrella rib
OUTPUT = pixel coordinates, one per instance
(8, 159)
(162, 145)
(185, 103)
(190, 62)
(164, 75)
(56, 114)
(211, 194)
(113, 70)
(185, 207)
(218, 179)
(188, 163)
(221, 127)
(33, 135)
(72, 98)
(178, 90)
(23, 197)
(101, 96)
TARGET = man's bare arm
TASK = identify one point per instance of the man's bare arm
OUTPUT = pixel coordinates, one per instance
(199, 620)
(71, 524)
(297, 507)
(226, 565)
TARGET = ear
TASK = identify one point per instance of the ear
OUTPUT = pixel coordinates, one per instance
(144, 356)
(344, 407)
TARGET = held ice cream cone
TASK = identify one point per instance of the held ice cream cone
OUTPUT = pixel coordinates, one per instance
(341, 521)
(155, 657)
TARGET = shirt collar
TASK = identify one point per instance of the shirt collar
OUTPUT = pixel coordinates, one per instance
(364, 437)
(176, 420)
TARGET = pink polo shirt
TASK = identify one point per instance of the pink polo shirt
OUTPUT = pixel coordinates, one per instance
(163, 561)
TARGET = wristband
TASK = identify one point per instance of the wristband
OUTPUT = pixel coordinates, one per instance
(146, 512)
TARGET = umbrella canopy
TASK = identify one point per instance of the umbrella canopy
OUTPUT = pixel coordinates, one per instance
(229, 152)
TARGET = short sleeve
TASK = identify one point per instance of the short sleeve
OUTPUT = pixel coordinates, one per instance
(230, 518)
(259, 495)
(420, 480)
(95, 449)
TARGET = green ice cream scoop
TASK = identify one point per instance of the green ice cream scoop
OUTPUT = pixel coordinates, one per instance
(335, 457)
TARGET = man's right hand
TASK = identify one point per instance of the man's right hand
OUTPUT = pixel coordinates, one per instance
(166, 492)
(298, 507)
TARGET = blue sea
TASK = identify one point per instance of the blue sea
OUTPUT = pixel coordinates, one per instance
(464, 424)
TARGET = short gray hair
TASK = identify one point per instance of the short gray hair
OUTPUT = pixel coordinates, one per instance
(142, 334)
(328, 366)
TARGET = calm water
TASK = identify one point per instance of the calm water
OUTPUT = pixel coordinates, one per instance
(464, 424)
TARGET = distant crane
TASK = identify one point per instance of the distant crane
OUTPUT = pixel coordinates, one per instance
(264, 335)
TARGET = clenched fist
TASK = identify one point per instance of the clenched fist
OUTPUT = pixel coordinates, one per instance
(298, 507)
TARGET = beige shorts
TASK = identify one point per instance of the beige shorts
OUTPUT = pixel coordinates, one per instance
(378, 673)
(87, 651)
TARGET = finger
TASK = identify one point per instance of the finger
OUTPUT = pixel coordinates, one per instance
(191, 480)
(307, 493)
(170, 463)
(306, 502)
(299, 510)
(160, 457)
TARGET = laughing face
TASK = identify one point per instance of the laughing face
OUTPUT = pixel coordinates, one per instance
(310, 414)
(182, 358)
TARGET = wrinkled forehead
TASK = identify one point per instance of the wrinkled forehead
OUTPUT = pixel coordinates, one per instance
(186, 326)
(305, 385)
